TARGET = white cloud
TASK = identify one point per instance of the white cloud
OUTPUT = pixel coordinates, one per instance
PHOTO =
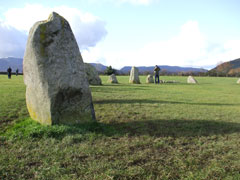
(188, 48)
(87, 28)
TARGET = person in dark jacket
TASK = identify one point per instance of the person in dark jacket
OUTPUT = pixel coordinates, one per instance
(16, 71)
(9, 71)
(156, 72)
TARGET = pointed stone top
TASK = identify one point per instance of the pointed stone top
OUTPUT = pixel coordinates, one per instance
(54, 15)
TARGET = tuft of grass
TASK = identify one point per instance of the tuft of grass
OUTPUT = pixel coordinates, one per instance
(29, 129)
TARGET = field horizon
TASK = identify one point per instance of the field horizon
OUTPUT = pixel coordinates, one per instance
(143, 131)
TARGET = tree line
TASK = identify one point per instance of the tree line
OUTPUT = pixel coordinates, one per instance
(214, 73)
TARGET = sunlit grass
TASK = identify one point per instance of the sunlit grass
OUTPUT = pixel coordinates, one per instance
(144, 131)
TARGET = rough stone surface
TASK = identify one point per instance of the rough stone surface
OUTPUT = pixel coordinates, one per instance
(92, 74)
(112, 79)
(191, 80)
(134, 78)
(149, 79)
(57, 87)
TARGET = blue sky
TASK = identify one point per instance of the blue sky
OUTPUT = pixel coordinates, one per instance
(197, 33)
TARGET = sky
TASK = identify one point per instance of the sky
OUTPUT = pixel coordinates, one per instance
(190, 33)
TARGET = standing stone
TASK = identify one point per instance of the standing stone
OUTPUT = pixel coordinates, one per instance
(134, 78)
(149, 79)
(113, 79)
(57, 88)
(238, 81)
(191, 80)
(92, 74)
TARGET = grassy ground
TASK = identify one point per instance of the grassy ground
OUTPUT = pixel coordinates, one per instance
(146, 131)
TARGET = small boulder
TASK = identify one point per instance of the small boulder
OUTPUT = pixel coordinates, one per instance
(92, 74)
(149, 79)
(113, 79)
(134, 77)
(191, 80)
(57, 89)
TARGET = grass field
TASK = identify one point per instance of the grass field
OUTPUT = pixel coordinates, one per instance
(146, 131)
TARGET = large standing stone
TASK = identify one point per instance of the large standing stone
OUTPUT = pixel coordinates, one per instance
(238, 81)
(92, 74)
(191, 80)
(112, 79)
(57, 88)
(149, 79)
(134, 78)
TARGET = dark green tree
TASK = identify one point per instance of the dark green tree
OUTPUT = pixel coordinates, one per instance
(110, 70)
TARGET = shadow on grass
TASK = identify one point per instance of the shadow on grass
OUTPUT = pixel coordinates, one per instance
(148, 101)
(155, 128)
(115, 88)
(178, 128)
(159, 128)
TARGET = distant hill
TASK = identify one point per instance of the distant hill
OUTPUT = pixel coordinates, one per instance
(171, 69)
(99, 67)
(229, 68)
(14, 63)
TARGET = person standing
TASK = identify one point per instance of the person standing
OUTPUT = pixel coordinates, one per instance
(156, 72)
(16, 71)
(9, 71)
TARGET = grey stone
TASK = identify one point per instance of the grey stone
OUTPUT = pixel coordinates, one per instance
(112, 79)
(191, 80)
(57, 89)
(92, 74)
(149, 79)
(134, 77)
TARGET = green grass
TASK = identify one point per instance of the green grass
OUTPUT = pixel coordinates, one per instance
(146, 131)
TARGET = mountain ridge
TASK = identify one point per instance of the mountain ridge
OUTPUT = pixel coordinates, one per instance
(231, 67)
(171, 69)
(15, 63)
